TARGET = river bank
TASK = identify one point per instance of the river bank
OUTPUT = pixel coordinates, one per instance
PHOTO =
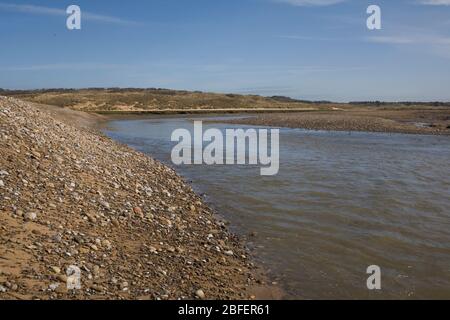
(412, 121)
(72, 197)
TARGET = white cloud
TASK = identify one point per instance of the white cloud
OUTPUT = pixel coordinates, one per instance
(436, 2)
(310, 3)
(40, 10)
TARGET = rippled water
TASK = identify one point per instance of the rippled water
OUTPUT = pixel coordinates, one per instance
(340, 203)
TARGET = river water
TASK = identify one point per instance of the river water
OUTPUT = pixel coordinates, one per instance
(340, 203)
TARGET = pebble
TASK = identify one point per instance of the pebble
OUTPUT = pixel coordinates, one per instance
(54, 286)
(57, 238)
(115, 223)
(105, 204)
(2, 184)
(153, 249)
(11, 286)
(96, 270)
(30, 216)
(56, 270)
(200, 294)
(124, 286)
(138, 211)
(97, 288)
(107, 244)
(91, 218)
(84, 250)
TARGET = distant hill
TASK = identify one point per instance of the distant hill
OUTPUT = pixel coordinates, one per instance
(136, 99)
(154, 99)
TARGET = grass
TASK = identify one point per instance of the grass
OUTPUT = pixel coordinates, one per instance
(135, 101)
(154, 100)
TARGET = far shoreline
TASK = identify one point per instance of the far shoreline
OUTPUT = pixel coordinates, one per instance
(410, 117)
(428, 122)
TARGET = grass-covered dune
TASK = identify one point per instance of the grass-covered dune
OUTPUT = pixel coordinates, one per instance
(112, 99)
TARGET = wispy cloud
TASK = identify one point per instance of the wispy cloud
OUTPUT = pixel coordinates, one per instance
(435, 2)
(391, 39)
(64, 66)
(41, 10)
(434, 44)
(310, 3)
(432, 40)
(309, 38)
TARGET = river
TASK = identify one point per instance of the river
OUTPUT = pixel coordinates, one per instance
(340, 203)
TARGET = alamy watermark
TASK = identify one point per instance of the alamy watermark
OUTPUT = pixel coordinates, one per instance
(236, 146)
(374, 20)
(374, 280)
(73, 21)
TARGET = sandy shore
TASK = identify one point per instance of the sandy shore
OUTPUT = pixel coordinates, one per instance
(414, 121)
(72, 197)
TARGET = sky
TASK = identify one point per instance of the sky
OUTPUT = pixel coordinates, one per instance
(306, 49)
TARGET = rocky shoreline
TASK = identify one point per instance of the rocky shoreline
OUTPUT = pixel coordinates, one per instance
(72, 197)
(412, 121)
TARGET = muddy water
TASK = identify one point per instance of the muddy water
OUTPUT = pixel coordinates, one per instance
(340, 203)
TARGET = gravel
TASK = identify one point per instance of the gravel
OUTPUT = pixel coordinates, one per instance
(131, 226)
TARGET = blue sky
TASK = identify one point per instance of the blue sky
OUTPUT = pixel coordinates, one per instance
(311, 49)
